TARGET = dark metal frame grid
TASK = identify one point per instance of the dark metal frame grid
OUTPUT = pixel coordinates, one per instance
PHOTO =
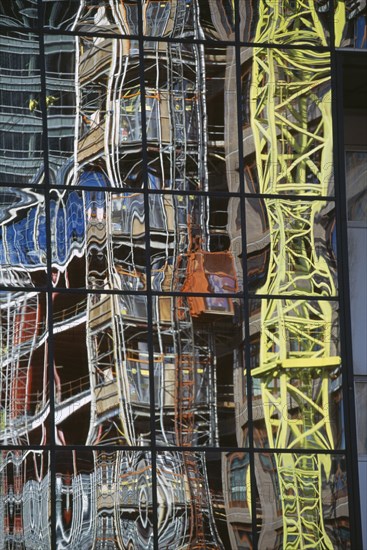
(342, 297)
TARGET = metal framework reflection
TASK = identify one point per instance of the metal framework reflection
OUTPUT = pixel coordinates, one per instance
(136, 241)
(297, 360)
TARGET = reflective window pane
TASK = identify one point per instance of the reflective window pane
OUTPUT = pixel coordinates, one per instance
(291, 247)
(210, 492)
(24, 382)
(93, 112)
(21, 150)
(195, 243)
(103, 497)
(295, 367)
(23, 14)
(197, 345)
(212, 19)
(25, 494)
(303, 22)
(95, 16)
(350, 25)
(23, 241)
(98, 240)
(302, 497)
(287, 123)
(105, 400)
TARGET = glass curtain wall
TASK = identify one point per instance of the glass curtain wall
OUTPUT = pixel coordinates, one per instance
(173, 357)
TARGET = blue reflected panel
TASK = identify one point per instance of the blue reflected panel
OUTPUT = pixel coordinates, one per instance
(104, 497)
(23, 243)
(24, 499)
(24, 397)
(98, 239)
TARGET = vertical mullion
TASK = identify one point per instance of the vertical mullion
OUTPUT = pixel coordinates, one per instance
(148, 275)
(49, 291)
(246, 300)
(344, 302)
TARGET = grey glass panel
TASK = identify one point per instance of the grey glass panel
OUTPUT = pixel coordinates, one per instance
(211, 19)
(191, 113)
(291, 247)
(98, 240)
(196, 19)
(197, 352)
(24, 372)
(356, 183)
(23, 14)
(295, 365)
(361, 403)
(25, 497)
(195, 243)
(211, 493)
(101, 388)
(21, 156)
(96, 16)
(302, 497)
(103, 497)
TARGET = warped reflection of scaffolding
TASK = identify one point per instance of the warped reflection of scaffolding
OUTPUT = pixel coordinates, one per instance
(106, 352)
(297, 356)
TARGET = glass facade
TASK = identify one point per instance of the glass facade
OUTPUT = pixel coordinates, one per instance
(174, 364)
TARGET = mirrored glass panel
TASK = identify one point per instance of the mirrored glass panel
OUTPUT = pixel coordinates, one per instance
(195, 243)
(93, 99)
(24, 499)
(95, 16)
(191, 113)
(287, 121)
(101, 369)
(356, 183)
(23, 240)
(21, 150)
(299, 22)
(98, 240)
(203, 499)
(360, 388)
(302, 497)
(197, 353)
(350, 22)
(103, 497)
(291, 247)
(210, 19)
(24, 379)
(295, 366)
(23, 14)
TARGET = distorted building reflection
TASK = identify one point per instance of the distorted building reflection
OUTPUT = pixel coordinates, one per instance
(139, 260)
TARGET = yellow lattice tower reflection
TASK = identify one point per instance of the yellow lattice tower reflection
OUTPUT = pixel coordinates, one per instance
(291, 123)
